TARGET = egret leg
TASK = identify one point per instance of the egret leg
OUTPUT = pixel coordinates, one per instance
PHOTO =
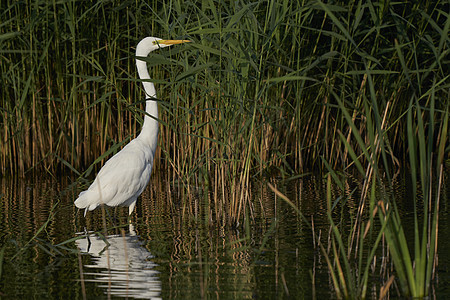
(88, 239)
(131, 207)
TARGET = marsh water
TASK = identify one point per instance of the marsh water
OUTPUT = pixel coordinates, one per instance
(50, 251)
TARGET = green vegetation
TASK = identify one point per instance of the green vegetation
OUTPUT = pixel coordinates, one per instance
(268, 88)
(257, 93)
(414, 261)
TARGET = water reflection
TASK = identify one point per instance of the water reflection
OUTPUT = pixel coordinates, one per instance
(123, 268)
(274, 258)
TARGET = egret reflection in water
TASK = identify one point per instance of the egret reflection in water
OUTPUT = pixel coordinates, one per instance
(124, 266)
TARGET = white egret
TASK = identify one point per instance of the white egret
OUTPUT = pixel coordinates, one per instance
(125, 175)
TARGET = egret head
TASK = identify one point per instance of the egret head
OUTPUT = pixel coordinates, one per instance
(149, 44)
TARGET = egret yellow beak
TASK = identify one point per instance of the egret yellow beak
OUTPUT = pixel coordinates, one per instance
(171, 42)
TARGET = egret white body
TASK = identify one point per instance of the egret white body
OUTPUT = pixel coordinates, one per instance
(125, 175)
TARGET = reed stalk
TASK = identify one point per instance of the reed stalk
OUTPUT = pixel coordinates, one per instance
(415, 264)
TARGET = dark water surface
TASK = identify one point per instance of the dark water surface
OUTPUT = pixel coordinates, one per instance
(164, 253)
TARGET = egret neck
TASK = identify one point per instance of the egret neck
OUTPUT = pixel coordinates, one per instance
(149, 132)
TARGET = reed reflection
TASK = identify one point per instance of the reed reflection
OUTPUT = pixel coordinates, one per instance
(121, 265)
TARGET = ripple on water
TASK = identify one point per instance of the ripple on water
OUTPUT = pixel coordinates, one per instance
(167, 255)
